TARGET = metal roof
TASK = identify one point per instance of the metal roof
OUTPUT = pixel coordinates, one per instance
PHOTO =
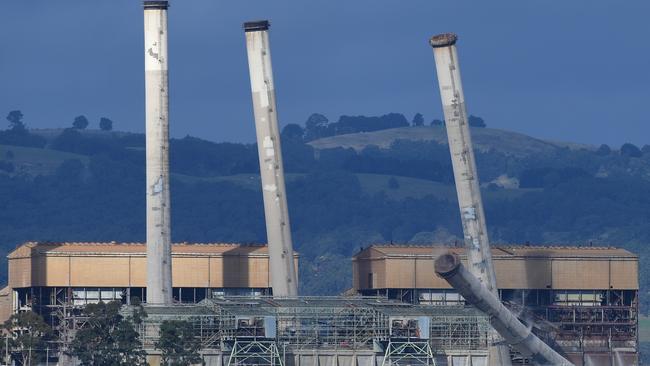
(501, 251)
(31, 249)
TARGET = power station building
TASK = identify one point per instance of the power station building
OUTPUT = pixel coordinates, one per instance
(584, 299)
(43, 276)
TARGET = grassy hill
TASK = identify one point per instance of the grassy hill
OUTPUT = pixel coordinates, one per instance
(35, 161)
(484, 139)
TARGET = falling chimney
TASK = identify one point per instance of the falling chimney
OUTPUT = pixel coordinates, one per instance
(159, 260)
(278, 230)
(477, 245)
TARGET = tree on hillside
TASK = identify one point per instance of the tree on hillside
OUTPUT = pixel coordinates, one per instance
(17, 134)
(437, 122)
(353, 124)
(15, 119)
(105, 124)
(475, 121)
(418, 120)
(108, 338)
(316, 127)
(29, 336)
(178, 344)
(292, 132)
(603, 150)
(80, 122)
(630, 150)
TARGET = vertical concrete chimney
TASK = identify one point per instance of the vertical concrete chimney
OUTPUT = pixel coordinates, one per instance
(159, 260)
(278, 230)
(465, 175)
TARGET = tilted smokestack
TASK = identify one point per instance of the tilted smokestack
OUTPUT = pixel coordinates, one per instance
(465, 174)
(278, 230)
(159, 259)
(449, 267)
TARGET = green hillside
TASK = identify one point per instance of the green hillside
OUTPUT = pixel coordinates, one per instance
(484, 139)
(35, 161)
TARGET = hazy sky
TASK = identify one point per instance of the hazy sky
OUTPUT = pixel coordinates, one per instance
(566, 70)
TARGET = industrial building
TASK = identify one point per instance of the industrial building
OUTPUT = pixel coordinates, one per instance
(581, 303)
(43, 276)
(584, 299)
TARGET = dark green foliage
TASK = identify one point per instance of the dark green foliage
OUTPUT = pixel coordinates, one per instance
(292, 132)
(416, 159)
(418, 120)
(15, 119)
(548, 177)
(475, 121)
(179, 344)
(21, 137)
(194, 156)
(29, 337)
(105, 124)
(17, 134)
(108, 339)
(80, 122)
(352, 124)
(437, 122)
(603, 150)
(630, 150)
(317, 126)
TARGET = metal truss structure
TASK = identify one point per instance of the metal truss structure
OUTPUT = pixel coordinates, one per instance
(247, 331)
(408, 352)
(254, 352)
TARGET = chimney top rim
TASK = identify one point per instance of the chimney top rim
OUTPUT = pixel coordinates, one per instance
(443, 40)
(256, 25)
(156, 4)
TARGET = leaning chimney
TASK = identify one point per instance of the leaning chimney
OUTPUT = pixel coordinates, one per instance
(159, 259)
(472, 216)
(278, 230)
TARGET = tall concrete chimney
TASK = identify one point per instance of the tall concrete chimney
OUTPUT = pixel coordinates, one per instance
(159, 259)
(278, 230)
(465, 174)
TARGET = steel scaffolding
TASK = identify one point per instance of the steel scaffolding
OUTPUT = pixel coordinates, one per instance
(246, 331)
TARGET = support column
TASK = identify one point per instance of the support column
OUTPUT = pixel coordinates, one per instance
(276, 213)
(159, 260)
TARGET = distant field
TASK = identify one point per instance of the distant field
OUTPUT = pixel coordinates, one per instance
(644, 329)
(483, 139)
(35, 161)
(372, 184)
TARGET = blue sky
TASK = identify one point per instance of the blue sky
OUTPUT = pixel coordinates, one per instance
(574, 70)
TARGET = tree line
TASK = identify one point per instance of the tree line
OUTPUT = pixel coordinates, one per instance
(106, 338)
